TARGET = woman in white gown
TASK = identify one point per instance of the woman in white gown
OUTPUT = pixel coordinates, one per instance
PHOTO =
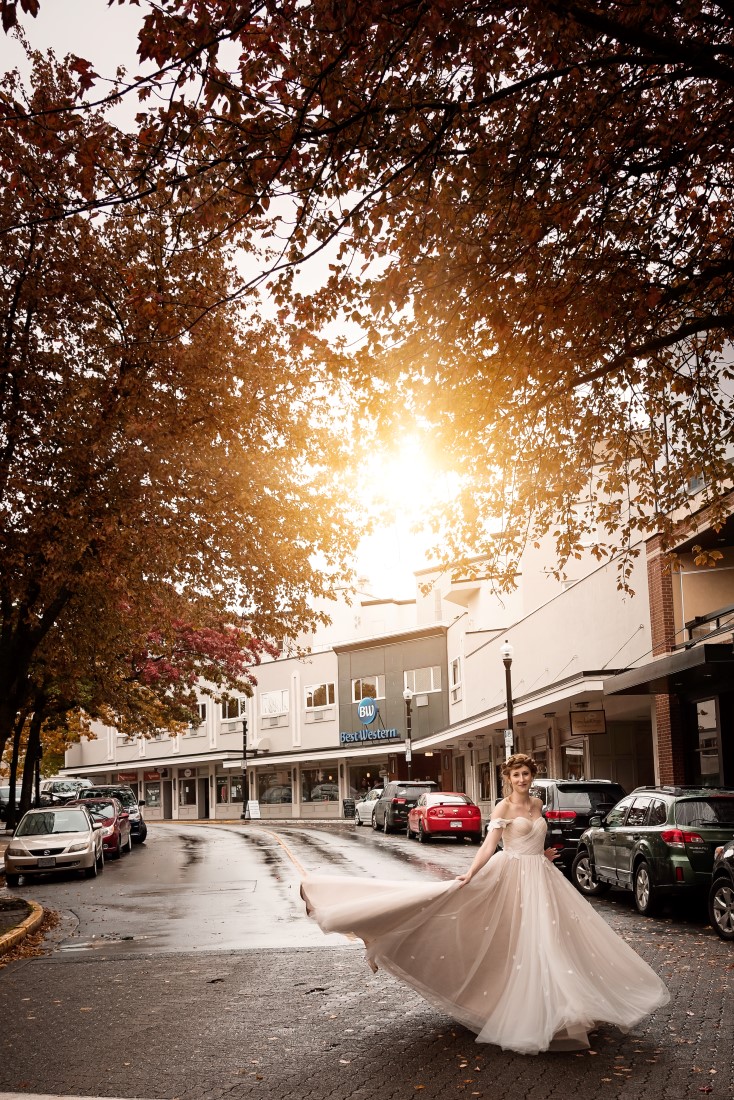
(510, 949)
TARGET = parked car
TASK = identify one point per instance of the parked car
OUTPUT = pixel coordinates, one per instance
(126, 795)
(568, 805)
(721, 892)
(365, 807)
(117, 835)
(5, 801)
(51, 838)
(61, 789)
(444, 813)
(391, 808)
(656, 842)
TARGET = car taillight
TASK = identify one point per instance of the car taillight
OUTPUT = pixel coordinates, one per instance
(678, 838)
(399, 801)
(560, 815)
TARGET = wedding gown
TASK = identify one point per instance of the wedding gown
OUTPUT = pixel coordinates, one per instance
(516, 955)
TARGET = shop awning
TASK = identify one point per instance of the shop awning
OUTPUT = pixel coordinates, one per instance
(705, 666)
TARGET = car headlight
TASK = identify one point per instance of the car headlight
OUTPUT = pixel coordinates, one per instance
(16, 850)
(80, 846)
(108, 831)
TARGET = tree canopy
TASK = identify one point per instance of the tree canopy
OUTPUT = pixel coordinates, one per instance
(167, 507)
(526, 207)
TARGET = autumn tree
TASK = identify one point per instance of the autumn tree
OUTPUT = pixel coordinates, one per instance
(542, 196)
(168, 465)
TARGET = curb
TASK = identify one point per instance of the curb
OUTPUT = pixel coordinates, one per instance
(30, 924)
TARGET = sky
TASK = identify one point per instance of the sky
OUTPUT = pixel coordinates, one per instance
(405, 483)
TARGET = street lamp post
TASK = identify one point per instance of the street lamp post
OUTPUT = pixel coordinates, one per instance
(245, 781)
(507, 651)
(408, 696)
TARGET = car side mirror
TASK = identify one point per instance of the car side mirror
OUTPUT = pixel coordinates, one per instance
(141, 802)
(124, 815)
(596, 821)
(96, 825)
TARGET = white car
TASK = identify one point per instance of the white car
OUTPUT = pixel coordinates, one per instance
(365, 808)
(51, 838)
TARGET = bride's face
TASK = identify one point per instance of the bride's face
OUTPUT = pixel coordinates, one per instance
(520, 779)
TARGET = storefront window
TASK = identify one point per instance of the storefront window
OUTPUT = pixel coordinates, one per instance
(485, 781)
(573, 761)
(706, 756)
(222, 790)
(152, 796)
(187, 792)
(363, 779)
(460, 774)
(319, 784)
(274, 788)
(235, 788)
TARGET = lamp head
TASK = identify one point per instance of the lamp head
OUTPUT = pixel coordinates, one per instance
(506, 650)
(407, 695)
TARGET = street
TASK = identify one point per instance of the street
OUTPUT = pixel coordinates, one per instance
(188, 969)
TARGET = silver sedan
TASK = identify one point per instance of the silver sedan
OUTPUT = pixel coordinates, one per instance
(51, 839)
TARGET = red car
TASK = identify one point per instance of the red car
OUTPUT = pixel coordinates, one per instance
(445, 813)
(116, 835)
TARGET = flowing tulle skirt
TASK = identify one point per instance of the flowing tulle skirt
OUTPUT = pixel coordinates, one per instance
(516, 955)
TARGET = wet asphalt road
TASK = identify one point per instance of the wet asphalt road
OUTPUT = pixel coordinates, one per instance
(226, 990)
(225, 887)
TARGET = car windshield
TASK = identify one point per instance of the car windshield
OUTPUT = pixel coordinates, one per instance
(104, 810)
(127, 798)
(63, 788)
(715, 810)
(411, 792)
(448, 800)
(588, 800)
(42, 824)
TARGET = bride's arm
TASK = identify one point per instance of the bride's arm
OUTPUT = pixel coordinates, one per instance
(489, 847)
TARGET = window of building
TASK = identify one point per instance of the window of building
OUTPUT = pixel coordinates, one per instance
(369, 687)
(485, 780)
(152, 796)
(231, 708)
(235, 788)
(319, 695)
(187, 792)
(423, 680)
(320, 784)
(274, 702)
(222, 790)
(456, 680)
(274, 787)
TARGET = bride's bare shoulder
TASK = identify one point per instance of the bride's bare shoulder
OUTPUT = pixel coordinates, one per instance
(501, 809)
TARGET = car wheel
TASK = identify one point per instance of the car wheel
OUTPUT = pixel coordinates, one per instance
(101, 859)
(143, 833)
(130, 842)
(385, 826)
(582, 876)
(357, 819)
(408, 831)
(12, 880)
(643, 890)
(91, 872)
(721, 909)
(375, 826)
(476, 838)
(422, 834)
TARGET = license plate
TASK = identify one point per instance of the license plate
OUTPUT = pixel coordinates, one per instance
(47, 861)
(456, 824)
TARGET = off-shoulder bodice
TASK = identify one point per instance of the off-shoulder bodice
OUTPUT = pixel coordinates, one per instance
(521, 836)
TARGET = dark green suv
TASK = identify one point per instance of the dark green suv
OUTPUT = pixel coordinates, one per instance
(656, 842)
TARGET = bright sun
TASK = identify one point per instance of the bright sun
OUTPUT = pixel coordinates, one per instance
(397, 488)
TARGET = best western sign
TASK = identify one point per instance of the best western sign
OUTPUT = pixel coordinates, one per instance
(368, 735)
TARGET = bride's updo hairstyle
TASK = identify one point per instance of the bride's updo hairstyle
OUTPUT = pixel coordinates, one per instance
(518, 760)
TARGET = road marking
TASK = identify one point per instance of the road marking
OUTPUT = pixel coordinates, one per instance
(299, 866)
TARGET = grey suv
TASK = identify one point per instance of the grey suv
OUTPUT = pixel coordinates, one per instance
(391, 809)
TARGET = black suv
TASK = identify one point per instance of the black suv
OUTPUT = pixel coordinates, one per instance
(721, 894)
(391, 809)
(130, 803)
(656, 842)
(568, 805)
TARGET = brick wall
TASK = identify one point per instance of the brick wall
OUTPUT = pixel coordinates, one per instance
(670, 752)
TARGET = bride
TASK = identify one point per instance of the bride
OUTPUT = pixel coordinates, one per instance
(509, 949)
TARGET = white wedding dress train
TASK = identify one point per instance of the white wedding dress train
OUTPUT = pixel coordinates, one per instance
(517, 955)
